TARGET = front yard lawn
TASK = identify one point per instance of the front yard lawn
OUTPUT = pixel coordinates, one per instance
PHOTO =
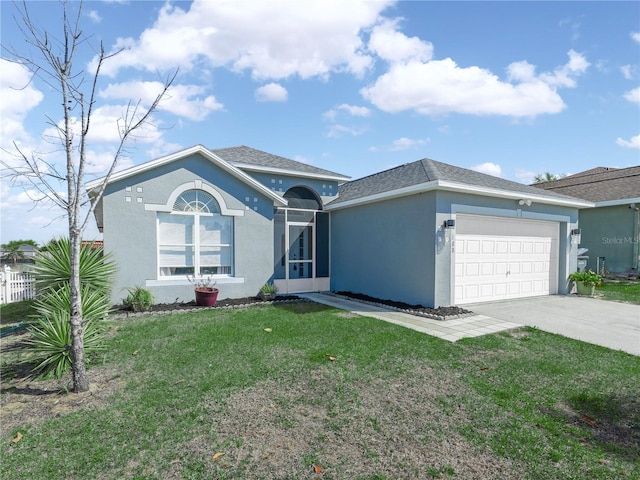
(620, 290)
(304, 391)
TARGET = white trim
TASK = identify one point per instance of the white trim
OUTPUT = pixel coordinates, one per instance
(289, 173)
(197, 185)
(459, 208)
(622, 201)
(496, 192)
(378, 197)
(196, 149)
(462, 188)
(170, 282)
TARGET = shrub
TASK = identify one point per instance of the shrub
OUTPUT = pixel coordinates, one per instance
(51, 333)
(588, 277)
(139, 299)
(51, 344)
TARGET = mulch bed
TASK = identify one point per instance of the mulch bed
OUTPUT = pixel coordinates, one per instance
(440, 313)
(176, 307)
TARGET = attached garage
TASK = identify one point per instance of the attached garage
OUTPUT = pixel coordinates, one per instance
(437, 235)
(501, 258)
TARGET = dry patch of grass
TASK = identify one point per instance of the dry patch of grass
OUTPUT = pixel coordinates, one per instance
(400, 427)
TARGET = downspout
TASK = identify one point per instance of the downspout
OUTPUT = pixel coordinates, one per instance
(635, 240)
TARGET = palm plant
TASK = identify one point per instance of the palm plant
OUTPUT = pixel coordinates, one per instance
(51, 333)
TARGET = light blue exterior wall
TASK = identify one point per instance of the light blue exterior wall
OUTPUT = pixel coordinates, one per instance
(610, 232)
(130, 230)
(385, 249)
(416, 254)
(281, 183)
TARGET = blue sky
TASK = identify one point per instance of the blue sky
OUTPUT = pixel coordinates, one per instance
(507, 88)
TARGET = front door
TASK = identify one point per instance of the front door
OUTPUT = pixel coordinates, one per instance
(301, 251)
(300, 258)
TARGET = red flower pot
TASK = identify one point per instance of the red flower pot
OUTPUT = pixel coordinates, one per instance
(206, 296)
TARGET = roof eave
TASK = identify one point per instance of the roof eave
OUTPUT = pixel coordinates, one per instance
(197, 149)
(621, 201)
(290, 173)
(443, 185)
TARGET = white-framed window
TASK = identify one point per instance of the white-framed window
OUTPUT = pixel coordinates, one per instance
(195, 238)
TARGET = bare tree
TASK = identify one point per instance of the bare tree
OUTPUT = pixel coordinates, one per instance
(52, 58)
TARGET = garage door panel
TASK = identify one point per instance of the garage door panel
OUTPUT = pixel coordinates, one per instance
(501, 267)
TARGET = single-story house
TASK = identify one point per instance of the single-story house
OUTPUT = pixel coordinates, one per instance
(425, 232)
(610, 231)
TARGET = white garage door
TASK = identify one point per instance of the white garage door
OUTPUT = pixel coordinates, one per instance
(497, 258)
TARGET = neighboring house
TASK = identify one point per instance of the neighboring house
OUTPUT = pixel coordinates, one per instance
(425, 232)
(26, 255)
(610, 230)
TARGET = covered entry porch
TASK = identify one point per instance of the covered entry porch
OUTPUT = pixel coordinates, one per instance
(301, 244)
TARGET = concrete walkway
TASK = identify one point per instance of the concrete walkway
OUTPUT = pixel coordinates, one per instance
(451, 330)
(608, 324)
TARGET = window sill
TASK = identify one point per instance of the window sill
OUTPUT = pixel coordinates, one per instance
(169, 282)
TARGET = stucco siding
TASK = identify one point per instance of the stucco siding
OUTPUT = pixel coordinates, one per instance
(130, 232)
(385, 249)
(609, 232)
(281, 183)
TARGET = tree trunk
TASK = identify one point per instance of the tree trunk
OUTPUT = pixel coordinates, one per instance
(80, 379)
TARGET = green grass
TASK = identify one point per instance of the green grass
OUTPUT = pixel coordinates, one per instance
(14, 313)
(548, 406)
(620, 290)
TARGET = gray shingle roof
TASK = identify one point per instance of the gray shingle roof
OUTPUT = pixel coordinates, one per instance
(242, 155)
(598, 184)
(427, 170)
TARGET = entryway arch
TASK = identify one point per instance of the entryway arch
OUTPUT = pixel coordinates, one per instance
(301, 243)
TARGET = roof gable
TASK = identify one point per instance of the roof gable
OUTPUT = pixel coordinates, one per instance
(428, 174)
(250, 159)
(197, 149)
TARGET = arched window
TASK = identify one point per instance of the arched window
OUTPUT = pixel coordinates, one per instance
(196, 201)
(194, 238)
(302, 197)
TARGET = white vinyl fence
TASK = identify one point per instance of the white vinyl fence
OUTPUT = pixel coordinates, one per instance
(16, 286)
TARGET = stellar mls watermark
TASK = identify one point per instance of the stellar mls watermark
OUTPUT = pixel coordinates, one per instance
(620, 240)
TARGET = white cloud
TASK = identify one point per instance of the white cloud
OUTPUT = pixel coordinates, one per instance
(405, 143)
(633, 143)
(182, 100)
(273, 40)
(633, 95)
(353, 110)
(635, 36)
(472, 90)
(106, 124)
(525, 176)
(393, 46)
(337, 131)
(272, 92)
(18, 98)
(95, 16)
(627, 71)
(489, 168)
(564, 76)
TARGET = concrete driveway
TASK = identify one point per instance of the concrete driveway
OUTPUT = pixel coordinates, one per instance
(609, 324)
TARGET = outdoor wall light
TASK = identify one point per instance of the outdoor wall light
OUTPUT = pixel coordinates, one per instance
(525, 201)
(576, 236)
(449, 224)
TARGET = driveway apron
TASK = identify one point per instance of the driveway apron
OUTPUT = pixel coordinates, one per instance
(609, 324)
